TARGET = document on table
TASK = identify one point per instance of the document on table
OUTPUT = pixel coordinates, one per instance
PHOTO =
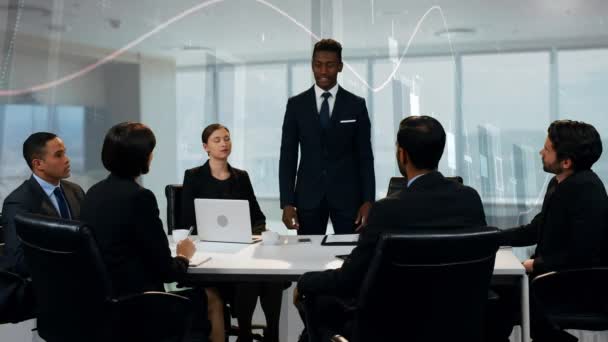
(199, 259)
(340, 239)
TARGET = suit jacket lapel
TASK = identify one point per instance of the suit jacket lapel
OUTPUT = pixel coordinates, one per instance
(46, 206)
(335, 113)
(313, 97)
(73, 203)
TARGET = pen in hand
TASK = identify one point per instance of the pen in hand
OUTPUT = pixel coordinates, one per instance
(186, 247)
(190, 231)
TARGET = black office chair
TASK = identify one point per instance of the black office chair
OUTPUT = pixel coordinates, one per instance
(15, 291)
(426, 286)
(573, 299)
(1, 236)
(72, 290)
(400, 183)
(16, 299)
(173, 192)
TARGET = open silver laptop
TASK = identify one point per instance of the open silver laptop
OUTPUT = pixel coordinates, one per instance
(223, 220)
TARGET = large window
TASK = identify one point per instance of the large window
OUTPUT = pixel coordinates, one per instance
(505, 107)
(195, 97)
(302, 78)
(491, 74)
(22, 120)
(583, 76)
(418, 87)
(19, 122)
(252, 105)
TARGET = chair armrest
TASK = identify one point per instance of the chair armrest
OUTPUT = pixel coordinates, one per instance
(151, 315)
(575, 290)
(493, 296)
(150, 303)
(148, 297)
(338, 338)
(10, 276)
(16, 298)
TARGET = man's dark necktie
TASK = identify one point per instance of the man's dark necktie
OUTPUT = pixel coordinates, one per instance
(324, 113)
(63, 205)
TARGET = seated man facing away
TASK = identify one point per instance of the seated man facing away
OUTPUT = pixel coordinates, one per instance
(571, 229)
(429, 200)
(46, 192)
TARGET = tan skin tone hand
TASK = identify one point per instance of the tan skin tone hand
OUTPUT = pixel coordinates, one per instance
(529, 265)
(186, 248)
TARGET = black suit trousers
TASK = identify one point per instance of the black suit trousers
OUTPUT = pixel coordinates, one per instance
(326, 316)
(314, 221)
(502, 314)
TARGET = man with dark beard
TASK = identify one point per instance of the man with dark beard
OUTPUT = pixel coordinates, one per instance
(571, 229)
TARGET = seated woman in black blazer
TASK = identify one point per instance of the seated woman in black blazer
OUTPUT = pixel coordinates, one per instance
(124, 219)
(217, 179)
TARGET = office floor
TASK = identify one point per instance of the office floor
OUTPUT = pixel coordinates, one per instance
(22, 332)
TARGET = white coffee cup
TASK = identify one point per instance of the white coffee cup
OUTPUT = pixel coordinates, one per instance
(270, 238)
(179, 235)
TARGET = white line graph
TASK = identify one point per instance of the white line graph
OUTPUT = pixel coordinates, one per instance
(203, 5)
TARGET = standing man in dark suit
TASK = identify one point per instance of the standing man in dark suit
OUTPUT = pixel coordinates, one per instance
(429, 200)
(571, 231)
(331, 127)
(46, 192)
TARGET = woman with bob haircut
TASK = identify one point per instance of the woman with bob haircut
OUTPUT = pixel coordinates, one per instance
(219, 180)
(124, 219)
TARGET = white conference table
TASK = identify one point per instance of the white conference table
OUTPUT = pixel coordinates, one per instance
(291, 258)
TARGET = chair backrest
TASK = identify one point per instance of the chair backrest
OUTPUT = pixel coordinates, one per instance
(427, 286)
(1, 236)
(573, 299)
(68, 276)
(398, 183)
(152, 316)
(73, 290)
(174, 207)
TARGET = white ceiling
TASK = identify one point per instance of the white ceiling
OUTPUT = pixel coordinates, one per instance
(250, 30)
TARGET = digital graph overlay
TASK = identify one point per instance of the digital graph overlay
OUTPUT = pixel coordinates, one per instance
(203, 5)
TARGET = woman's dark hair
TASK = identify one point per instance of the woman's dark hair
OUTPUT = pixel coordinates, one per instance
(126, 149)
(576, 140)
(210, 129)
(423, 138)
(329, 45)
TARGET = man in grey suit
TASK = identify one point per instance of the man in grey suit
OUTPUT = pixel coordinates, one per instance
(46, 192)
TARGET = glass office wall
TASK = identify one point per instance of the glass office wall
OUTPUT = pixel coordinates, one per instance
(490, 73)
(419, 86)
(582, 75)
(505, 124)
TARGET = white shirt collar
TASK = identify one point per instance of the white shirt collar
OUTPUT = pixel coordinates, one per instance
(333, 91)
(410, 181)
(46, 186)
